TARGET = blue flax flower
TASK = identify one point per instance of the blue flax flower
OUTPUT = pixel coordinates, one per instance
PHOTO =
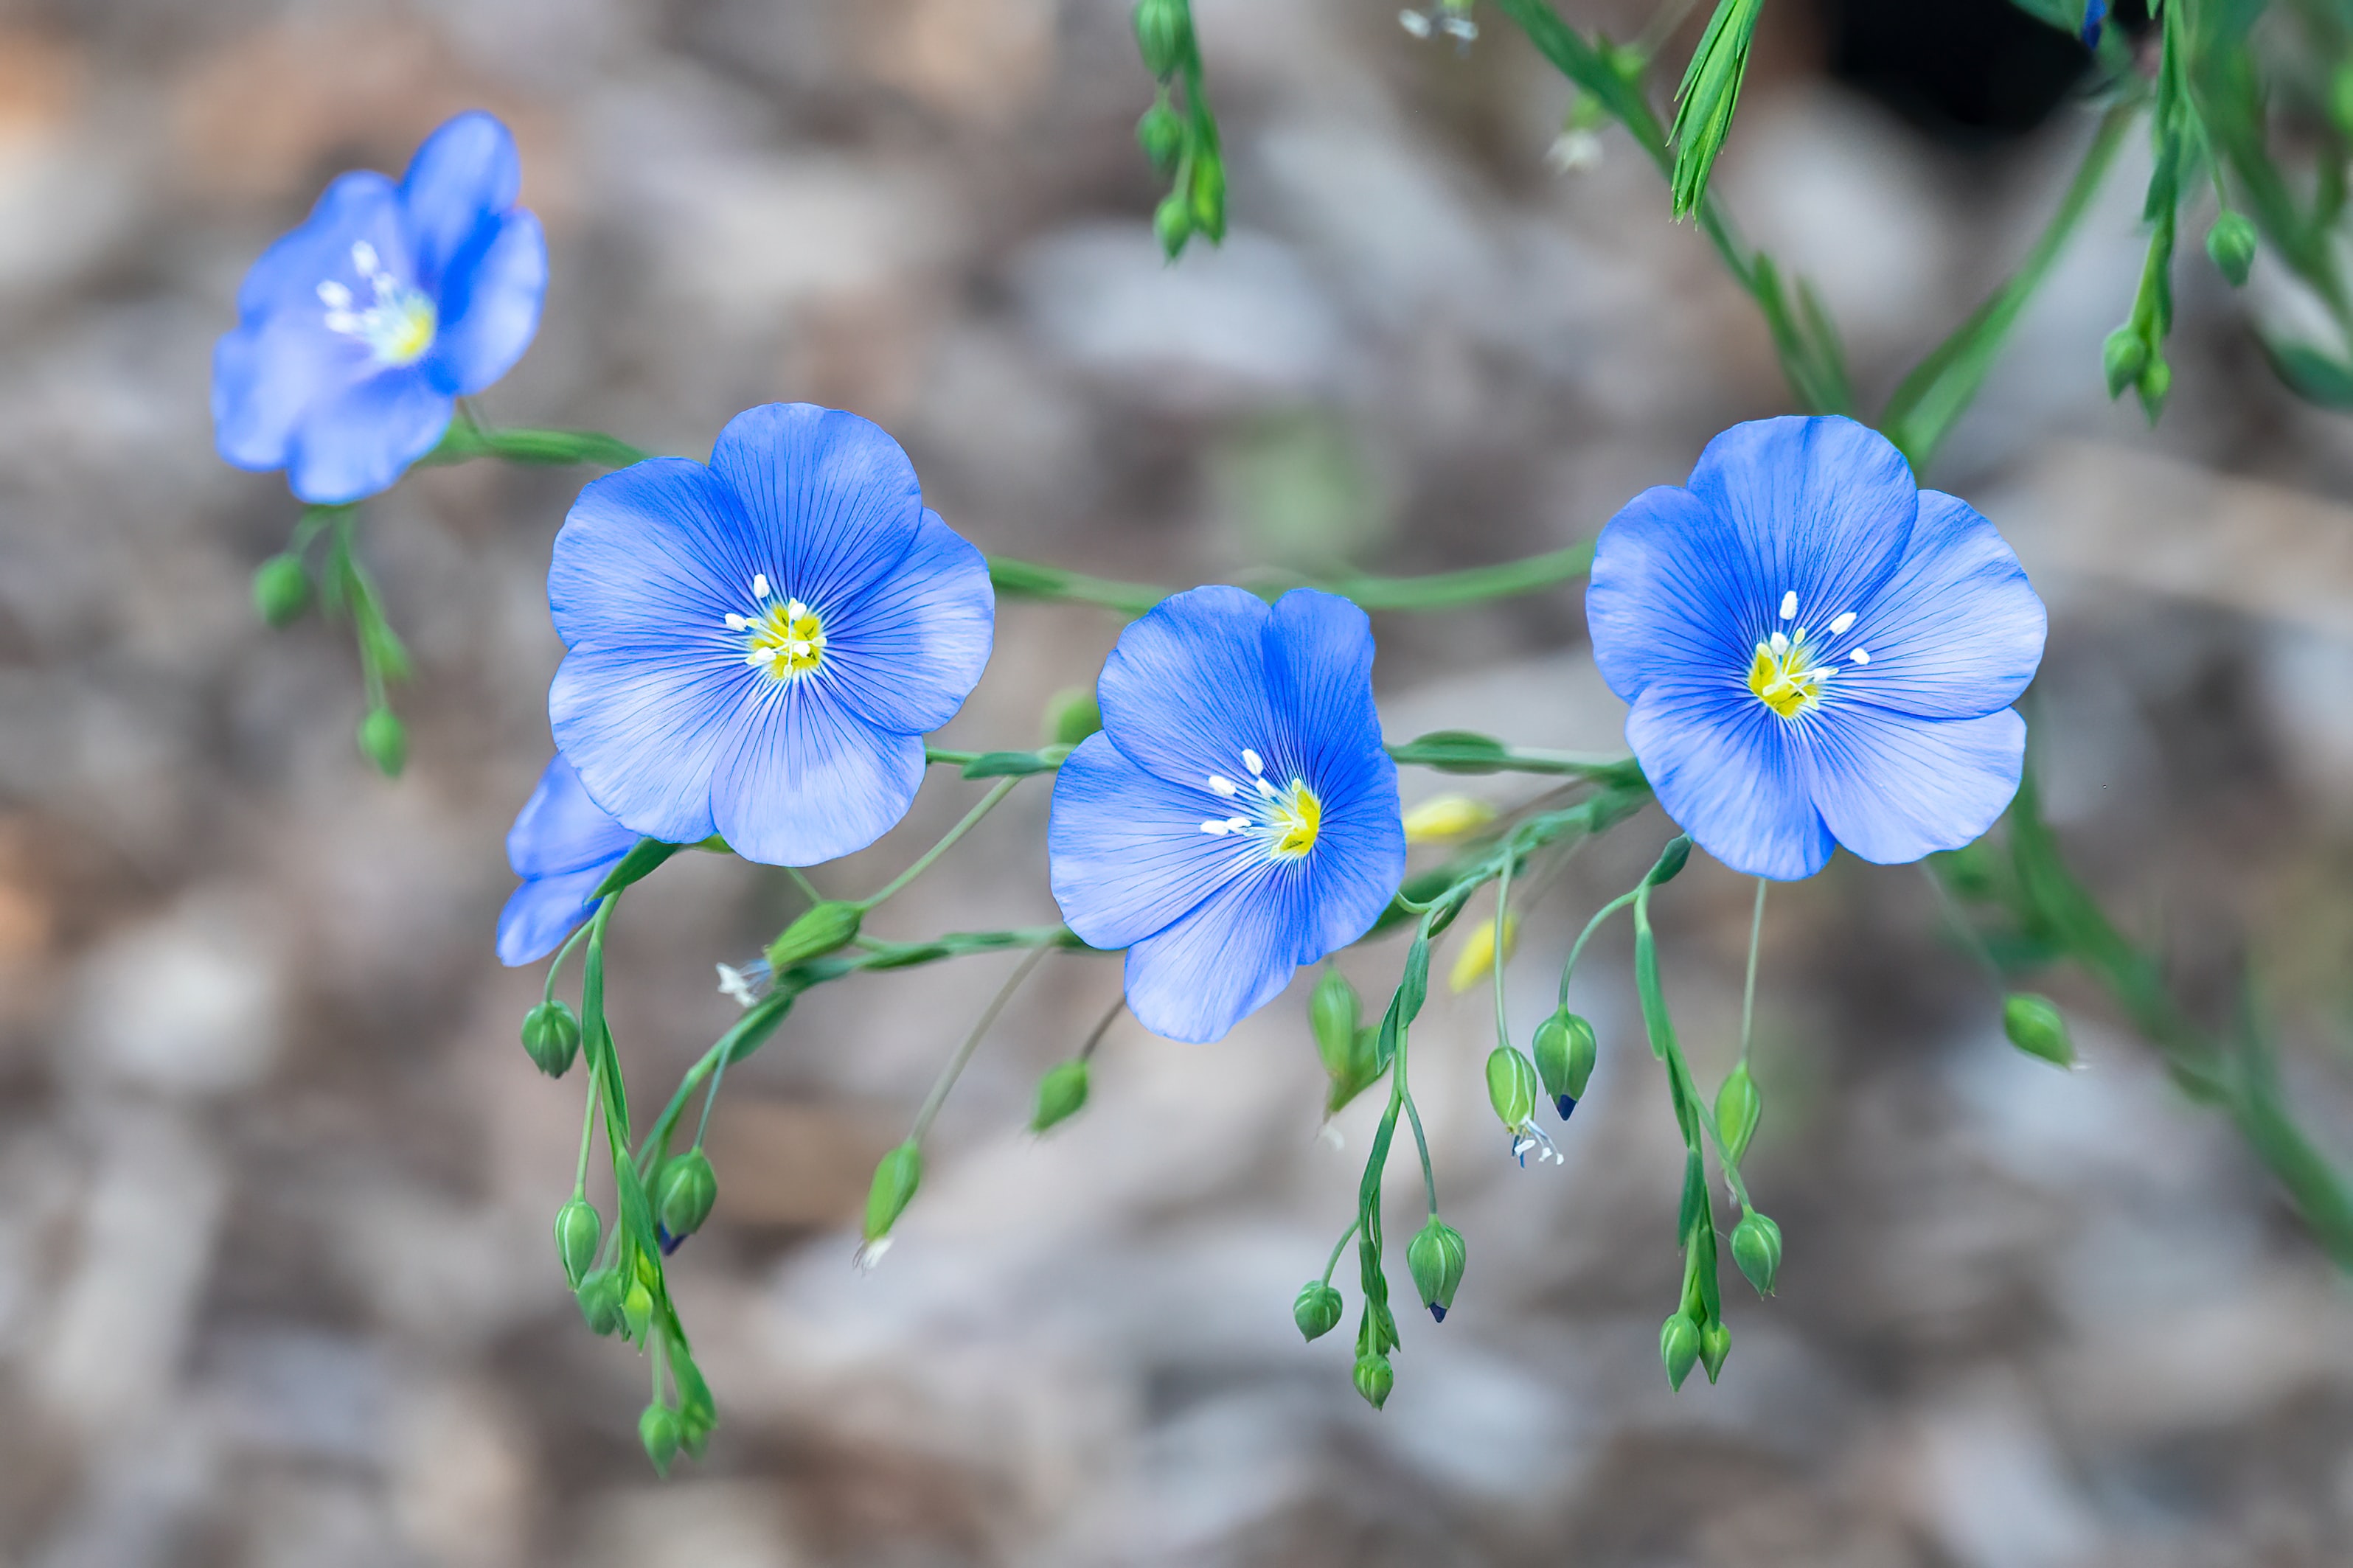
(356, 332)
(758, 646)
(1236, 816)
(563, 845)
(1816, 650)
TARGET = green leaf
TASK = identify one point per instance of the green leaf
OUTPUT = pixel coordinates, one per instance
(1016, 764)
(643, 857)
(1709, 94)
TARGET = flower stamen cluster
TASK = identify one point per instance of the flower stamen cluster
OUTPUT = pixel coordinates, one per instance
(1287, 820)
(397, 328)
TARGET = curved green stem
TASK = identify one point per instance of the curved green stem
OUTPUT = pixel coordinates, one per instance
(547, 993)
(587, 1137)
(1577, 950)
(1502, 934)
(955, 1070)
(989, 803)
(1749, 987)
(1339, 1247)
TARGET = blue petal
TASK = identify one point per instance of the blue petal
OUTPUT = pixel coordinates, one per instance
(1822, 507)
(1894, 788)
(541, 913)
(1124, 850)
(645, 562)
(467, 172)
(1206, 641)
(2095, 12)
(490, 306)
(1672, 592)
(1224, 961)
(1724, 768)
(1957, 631)
(560, 829)
(804, 780)
(907, 650)
(831, 499)
(361, 439)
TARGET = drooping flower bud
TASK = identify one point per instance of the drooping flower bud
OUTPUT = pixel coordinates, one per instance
(1737, 1108)
(1511, 1086)
(1316, 1309)
(1756, 1249)
(1477, 954)
(1208, 193)
(384, 741)
(2036, 1026)
(599, 1295)
(282, 590)
(1446, 817)
(1374, 1378)
(1172, 220)
(1714, 1345)
(1435, 1259)
(578, 1229)
(637, 1311)
(551, 1033)
(2122, 356)
(1061, 1093)
(895, 1179)
(658, 1429)
(2231, 245)
(683, 1192)
(1161, 134)
(1671, 861)
(1162, 31)
(1072, 713)
(1678, 1347)
(1564, 1051)
(818, 929)
(1342, 1043)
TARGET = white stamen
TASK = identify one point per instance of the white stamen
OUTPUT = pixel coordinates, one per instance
(334, 296)
(1861, 655)
(1238, 822)
(1217, 827)
(1414, 22)
(735, 623)
(869, 1254)
(1780, 642)
(759, 585)
(1219, 784)
(1839, 627)
(800, 649)
(365, 258)
(1251, 761)
(1265, 789)
(759, 656)
(794, 609)
(1790, 605)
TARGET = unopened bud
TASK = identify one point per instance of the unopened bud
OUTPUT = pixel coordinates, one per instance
(1209, 193)
(1446, 817)
(1334, 1012)
(1071, 715)
(1164, 31)
(2156, 381)
(2231, 245)
(1316, 1309)
(1172, 222)
(1565, 1053)
(551, 1034)
(1714, 1345)
(282, 590)
(1756, 1249)
(384, 741)
(1062, 1094)
(1161, 134)
(637, 1311)
(1678, 1347)
(578, 1229)
(1435, 1259)
(2036, 1026)
(895, 1180)
(658, 1429)
(1671, 862)
(1511, 1086)
(684, 1194)
(599, 1295)
(818, 929)
(2122, 356)
(1737, 1108)
(1478, 955)
(1374, 1378)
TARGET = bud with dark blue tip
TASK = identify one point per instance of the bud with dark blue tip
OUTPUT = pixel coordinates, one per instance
(1435, 1259)
(1565, 1053)
(684, 1194)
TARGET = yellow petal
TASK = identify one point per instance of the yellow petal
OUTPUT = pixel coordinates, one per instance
(1446, 817)
(1477, 954)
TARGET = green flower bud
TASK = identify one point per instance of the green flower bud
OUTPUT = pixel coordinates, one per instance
(1172, 222)
(1334, 1012)
(1374, 1378)
(820, 929)
(1164, 31)
(1737, 1108)
(1714, 1345)
(384, 742)
(1071, 715)
(637, 1311)
(599, 1295)
(895, 1180)
(1511, 1086)
(2123, 355)
(1678, 1347)
(1565, 1052)
(551, 1033)
(1756, 1249)
(1161, 134)
(1671, 863)
(1062, 1094)
(2036, 1026)
(658, 1429)
(685, 1191)
(2231, 245)
(1316, 1309)
(282, 590)
(2156, 381)
(1209, 193)
(1435, 1259)
(578, 1229)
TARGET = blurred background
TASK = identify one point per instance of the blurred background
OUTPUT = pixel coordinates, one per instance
(276, 1287)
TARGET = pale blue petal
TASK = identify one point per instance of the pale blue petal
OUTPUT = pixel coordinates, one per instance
(1185, 691)
(906, 650)
(1723, 766)
(1672, 593)
(831, 500)
(1957, 631)
(467, 172)
(1215, 966)
(490, 306)
(647, 730)
(803, 780)
(560, 829)
(1894, 788)
(1124, 850)
(643, 564)
(541, 913)
(361, 439)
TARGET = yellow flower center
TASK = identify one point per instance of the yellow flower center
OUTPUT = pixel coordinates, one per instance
(1286, 820)
(785, 639)
(1789, 673)
(1294, 821)
(397, 322)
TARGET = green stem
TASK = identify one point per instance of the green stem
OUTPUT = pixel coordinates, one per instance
(1503, 932)
(989, 803)
(1577, 950)
(808, 888)
(1102, 1027)
(955, 1070)
(1339, 1247)
(1749, 987)
(1420, 1140)
(468, 438)
(587, 1137)
(1432, 592)
(579, 933)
